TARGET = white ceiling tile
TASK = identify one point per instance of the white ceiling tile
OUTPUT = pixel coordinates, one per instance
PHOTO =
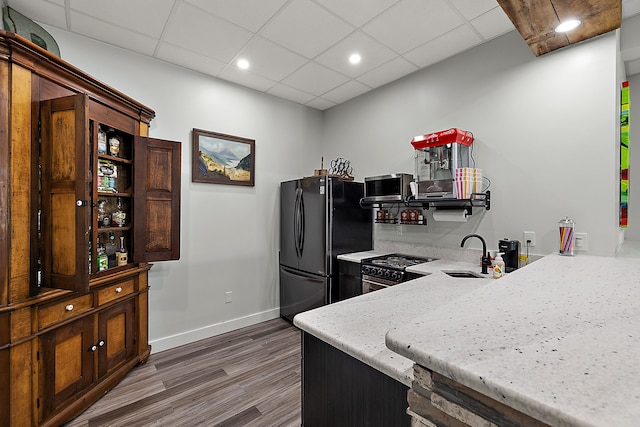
(449, 44)
(286, 92)
(198, 31)
(305, 28)
(188, 59)
(473, 8)
(315, 79)
(493, 24)
(297, 48)
(140, 16)
(349, 90)
(388, 72)
(112, 34)
(373, 54)
(270, 60)
(246, 78)
(357, 12)
(320, 104)
(41, 11)
(249, 14)
(410, 23)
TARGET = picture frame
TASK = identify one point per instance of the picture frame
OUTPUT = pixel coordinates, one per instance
(223, 159)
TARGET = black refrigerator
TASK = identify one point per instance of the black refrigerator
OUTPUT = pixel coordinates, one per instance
(320, 218)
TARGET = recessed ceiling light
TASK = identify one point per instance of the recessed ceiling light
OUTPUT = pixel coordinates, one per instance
(243, 63)
(567, 25)
(355, 58)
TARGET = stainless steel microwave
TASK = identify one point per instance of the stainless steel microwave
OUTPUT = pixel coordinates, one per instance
(387, 188)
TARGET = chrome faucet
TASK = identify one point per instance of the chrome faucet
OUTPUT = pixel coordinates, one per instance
(486, 260)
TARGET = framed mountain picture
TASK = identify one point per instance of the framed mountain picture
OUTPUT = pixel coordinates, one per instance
(223, 159)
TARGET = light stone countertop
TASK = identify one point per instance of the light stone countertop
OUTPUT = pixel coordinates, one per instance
(358, 325)
(558, 340)
(359, 256)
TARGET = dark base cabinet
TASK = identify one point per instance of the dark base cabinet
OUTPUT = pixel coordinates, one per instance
(339, 390)
(350, 283)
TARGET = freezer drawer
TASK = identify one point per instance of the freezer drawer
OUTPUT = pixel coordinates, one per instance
(300, 291)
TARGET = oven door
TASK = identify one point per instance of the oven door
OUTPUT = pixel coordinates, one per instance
(370, 283)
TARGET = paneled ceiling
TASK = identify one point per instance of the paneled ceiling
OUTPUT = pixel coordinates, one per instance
(297, 49)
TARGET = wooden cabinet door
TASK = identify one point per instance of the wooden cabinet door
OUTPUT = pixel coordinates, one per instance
(157, 200)
(116, 336)
(65, 193)
(67, 363)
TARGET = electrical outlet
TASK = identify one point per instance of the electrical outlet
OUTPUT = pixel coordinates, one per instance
(529, 236)
(582, 242)
(227, 297)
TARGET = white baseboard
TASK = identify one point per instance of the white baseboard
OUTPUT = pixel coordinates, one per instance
(188, 337)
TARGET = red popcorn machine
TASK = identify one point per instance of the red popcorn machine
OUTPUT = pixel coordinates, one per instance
(442, 162)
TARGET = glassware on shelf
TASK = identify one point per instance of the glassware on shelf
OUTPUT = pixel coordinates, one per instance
(118, 218)
(114, 145)
(103, 219)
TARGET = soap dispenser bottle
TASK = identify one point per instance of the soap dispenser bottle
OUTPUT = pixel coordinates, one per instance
(498, 266)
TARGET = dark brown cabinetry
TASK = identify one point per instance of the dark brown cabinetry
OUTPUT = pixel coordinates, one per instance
(71, 327)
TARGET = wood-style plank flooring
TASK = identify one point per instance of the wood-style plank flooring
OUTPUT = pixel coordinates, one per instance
(247, 377)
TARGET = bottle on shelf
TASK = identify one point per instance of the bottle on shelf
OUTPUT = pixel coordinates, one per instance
(119, 216)
(111, 250)
(103, 260)
(122, 256)
(102, 141)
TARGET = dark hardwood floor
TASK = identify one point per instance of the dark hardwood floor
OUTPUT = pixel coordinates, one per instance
(247, 377)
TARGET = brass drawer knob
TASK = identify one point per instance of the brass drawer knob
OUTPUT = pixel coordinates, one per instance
(69, 307)
(118, 290)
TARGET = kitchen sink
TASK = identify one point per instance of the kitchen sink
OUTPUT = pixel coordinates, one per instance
(464, 274)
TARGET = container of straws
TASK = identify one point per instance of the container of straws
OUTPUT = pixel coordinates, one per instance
(567, 236)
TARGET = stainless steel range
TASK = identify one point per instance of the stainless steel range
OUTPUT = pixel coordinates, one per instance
(388, 270)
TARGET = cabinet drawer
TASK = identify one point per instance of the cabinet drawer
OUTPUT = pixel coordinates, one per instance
(116, 291)
(50, 314)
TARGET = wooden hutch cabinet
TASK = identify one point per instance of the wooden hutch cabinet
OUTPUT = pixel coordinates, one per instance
(87, 200)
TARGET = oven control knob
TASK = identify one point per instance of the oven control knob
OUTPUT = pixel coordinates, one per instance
(396, 275)
(365, 269)
(387, 273)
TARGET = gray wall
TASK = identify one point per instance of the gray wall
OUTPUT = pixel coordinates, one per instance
(229, 234)
(545, 134)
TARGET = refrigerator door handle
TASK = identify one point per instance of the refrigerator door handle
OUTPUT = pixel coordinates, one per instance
(301, 231)
(296, 222)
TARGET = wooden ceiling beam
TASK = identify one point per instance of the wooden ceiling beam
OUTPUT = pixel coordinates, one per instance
(536, 20)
